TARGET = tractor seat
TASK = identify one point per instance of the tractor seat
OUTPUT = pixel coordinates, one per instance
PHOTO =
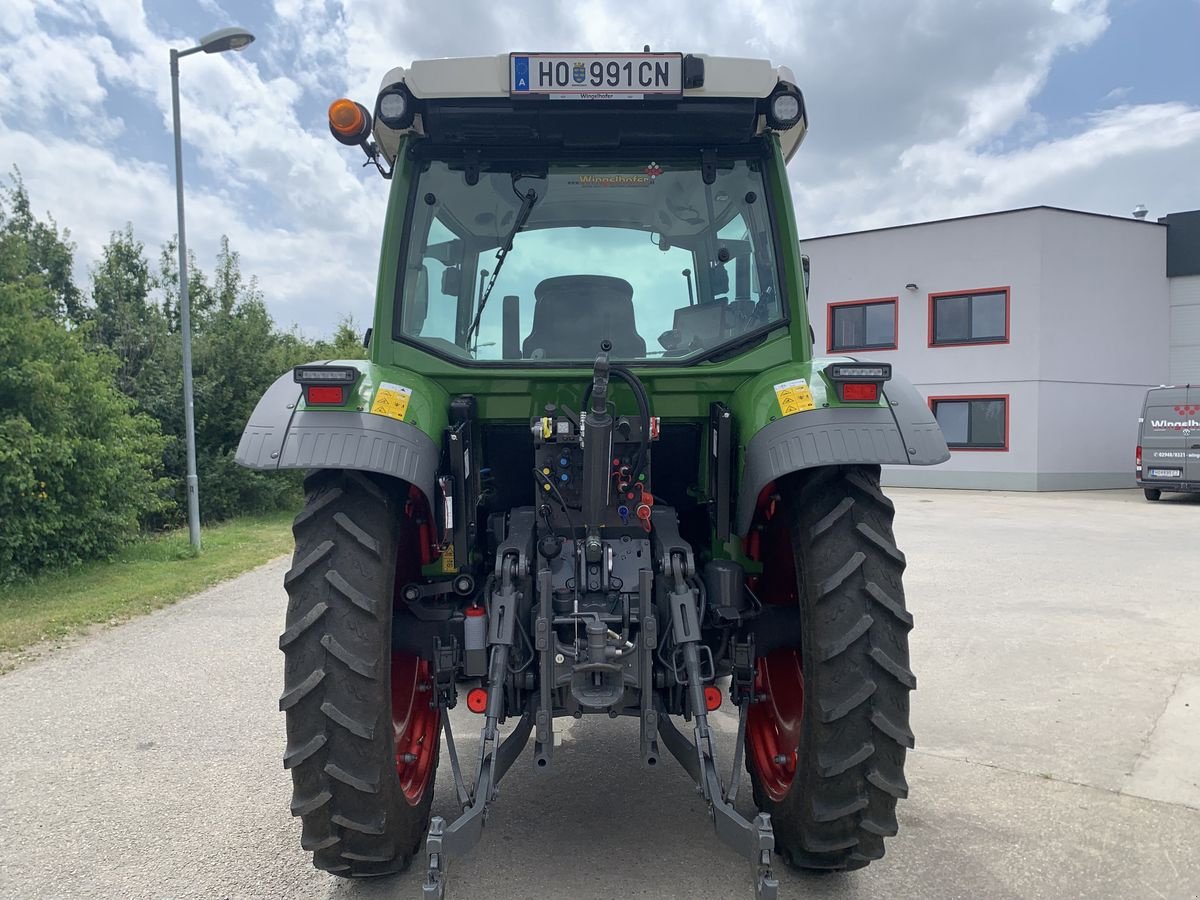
(574, 313)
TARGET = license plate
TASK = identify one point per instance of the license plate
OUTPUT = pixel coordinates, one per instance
(605, 76)
(1166, 473)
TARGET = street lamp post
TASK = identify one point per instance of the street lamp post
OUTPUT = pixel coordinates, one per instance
(217, 42)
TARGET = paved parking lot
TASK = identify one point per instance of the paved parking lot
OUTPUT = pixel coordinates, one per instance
(1057, 717)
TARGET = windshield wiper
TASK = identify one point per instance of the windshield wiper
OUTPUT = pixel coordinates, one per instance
(527, 202)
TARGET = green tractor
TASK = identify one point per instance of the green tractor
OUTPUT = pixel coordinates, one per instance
(592, 468)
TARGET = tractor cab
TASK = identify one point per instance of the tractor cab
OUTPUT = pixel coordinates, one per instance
(556, 201)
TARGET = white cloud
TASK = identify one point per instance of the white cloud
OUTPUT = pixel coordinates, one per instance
(919, 110)
(938, 123)
(17, 17)
(42, 75)
(1122, 157)
(291, 200)
(306, 272)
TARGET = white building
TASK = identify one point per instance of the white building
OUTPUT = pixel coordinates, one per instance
(1183, 273)
(1034, 333)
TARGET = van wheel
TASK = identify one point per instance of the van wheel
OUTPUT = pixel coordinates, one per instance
(1152, 493)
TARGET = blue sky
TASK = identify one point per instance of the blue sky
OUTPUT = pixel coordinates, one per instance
(1148, 54)
(919, 110)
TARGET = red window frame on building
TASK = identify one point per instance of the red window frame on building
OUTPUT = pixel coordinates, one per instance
(1007, 398)
(875, 301)
(1006, 290)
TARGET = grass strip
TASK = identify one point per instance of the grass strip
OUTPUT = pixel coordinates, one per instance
(147, 575)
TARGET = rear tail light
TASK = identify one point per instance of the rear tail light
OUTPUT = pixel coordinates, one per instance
(325, 385)
(333, 394)
(858, 382)
(860, 392)
(1138, 458)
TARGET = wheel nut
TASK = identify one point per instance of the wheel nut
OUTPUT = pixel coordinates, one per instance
(559, 658)
(780, 759)
(408, 758)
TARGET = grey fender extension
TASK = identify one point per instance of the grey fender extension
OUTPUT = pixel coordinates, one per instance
(905, 433)
(280, 437)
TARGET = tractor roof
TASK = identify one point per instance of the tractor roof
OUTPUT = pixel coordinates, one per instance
(477, 101)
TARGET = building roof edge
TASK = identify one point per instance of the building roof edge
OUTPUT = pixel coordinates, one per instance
(1000, 212)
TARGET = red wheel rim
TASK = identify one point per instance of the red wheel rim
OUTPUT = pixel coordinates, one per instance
(773, 724)
(414, 724)
(774, 721)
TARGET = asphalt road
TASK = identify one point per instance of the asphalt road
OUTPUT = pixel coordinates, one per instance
(1057, 720)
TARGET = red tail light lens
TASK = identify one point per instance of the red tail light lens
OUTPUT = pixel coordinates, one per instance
(1138, 456)
(330, 394)
(854, 392)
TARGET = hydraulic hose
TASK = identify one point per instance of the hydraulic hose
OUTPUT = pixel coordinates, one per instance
(643, 402)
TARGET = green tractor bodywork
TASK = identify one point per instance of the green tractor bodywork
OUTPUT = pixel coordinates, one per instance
(483, 491)
(895, 429)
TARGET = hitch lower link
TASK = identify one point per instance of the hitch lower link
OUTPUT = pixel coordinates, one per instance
(496, 757)
(753, 839)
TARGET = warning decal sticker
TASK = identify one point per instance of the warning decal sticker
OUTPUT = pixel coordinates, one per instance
(794, 396)
(391, 400)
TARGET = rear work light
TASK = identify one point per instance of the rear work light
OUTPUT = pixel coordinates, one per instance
(859, 372)
(325, 385)
(394, 107)
(858, 382)
(325, 374)
(785, 107)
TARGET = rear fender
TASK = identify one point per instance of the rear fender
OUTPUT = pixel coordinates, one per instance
(898, 430)
(400, 440)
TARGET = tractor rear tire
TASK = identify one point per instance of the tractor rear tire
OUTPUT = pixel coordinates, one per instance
(1152, 493)
(826, 745)
(353, 708)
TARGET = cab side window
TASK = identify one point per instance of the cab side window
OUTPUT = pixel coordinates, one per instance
(430, 305)
(746, 276)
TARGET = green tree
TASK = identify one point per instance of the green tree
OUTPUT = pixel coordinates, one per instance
(346, 343)
(47, 253)
(77, 467)
(124, 318)
(200, 297)
(91, 394)
(237, 352)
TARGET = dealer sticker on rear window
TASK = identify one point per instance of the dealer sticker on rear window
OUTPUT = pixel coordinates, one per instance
(391, 400)
(794, 396)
